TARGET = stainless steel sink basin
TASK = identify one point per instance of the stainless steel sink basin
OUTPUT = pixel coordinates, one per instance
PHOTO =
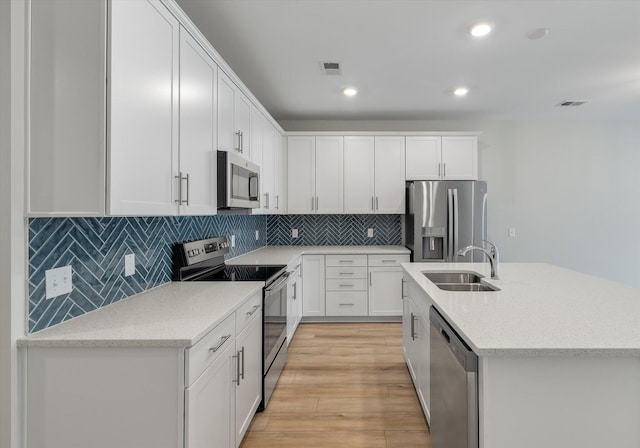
(453, 277)
(459, 281)
(471, 287)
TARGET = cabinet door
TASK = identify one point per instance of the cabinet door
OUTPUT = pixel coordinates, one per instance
(460, 158)
(313, 288)
(301, 175)
(389, 175)
(66, 160)
(408, 336)
(423, 382)
(228, 140)
(249, 390)
(279, 173)
(144, 109)
(242, 122)
(268, 166)
(358, 175)
(257, 135)
(385, 292)
(209, 405)
(329, 174)
(299, 300)
(423, 158)
(197, 120)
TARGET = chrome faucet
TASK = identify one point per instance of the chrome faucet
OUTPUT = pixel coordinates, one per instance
(492, 254)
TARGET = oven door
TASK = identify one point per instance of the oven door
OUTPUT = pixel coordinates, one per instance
(275, 319)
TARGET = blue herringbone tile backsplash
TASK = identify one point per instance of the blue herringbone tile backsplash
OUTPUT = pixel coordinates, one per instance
(339, 230)
(95, 249)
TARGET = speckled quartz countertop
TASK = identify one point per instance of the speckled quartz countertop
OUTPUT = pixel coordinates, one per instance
(286, 254)
(177, 314)
(540, 310)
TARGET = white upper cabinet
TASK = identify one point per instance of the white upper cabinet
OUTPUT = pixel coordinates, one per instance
(359, 175)
(279, 172)
(301, 174)
(389, 175)
(374, 175)
(442, 158)
(234, 117)
(315, 175)
(66, 155)
(268, 167)
(143, 109)
(460, 158)
(197, 173)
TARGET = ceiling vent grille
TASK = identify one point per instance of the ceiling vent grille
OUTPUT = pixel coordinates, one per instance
(331, 68)
(571, 103)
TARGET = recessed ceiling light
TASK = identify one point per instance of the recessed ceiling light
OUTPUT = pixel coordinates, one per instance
(350, 91)
(461, 91)
(481, 29)
(538, 34)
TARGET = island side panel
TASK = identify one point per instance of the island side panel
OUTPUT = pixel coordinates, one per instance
(559, 402)
(104, 397)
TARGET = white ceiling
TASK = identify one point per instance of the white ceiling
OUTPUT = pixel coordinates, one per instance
(406, 56)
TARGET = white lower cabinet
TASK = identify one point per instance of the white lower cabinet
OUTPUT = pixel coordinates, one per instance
(385, 284)
(415, 342)
(294, 299)
(313, 286)
(203, 396)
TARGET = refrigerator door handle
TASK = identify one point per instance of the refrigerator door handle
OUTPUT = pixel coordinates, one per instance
(450, 218)
(456, 214)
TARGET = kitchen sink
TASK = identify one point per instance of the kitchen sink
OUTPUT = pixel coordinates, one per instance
(459, 281)
(453, 277)
(472, 287)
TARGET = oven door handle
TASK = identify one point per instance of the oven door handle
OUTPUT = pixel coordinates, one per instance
(282, 279)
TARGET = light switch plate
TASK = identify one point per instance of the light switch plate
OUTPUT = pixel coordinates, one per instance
(129, 265)
(233, 241)
(370, 233)
(294, 233)
(58, 281)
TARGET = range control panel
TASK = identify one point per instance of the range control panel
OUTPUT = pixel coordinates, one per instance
(201, 250)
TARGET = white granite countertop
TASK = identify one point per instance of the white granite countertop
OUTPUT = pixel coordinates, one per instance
(286, 254)
(540, 310)
(177, 314)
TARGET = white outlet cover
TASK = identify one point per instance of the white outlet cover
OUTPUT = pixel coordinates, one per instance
(233, 241)
(58, 281)
(129, 265)
(370, 233)
(512, 232)
(257, 235)
(294, 233)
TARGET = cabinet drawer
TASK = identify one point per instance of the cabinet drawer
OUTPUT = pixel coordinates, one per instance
(346, 272)
(347, 303)
(338, 284)
(248, 311)
(346, 260)
(209, 348)
(387, 260)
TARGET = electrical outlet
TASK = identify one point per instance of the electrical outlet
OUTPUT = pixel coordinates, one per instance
(257, 235)
(294, 233)
(370, 233)
(233, 241)
(58, 281)
(512, 232)
(129, 265)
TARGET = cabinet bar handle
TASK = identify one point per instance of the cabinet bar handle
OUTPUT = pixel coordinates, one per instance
(179, 177)
(388, 261)
(317, 207)
(372, 203)
(237, 380)
(188, 188)
(439, 169)
(295, 291)
(223, 339)
(347, 304)
(346, 273)
(444, 170)
(346, 286)
(253, 310)
(239, 144)
(277, 202)
(377, 205)
(345, 261)
(242, 354)
(242, 142)
(413, 336)
(312, 203)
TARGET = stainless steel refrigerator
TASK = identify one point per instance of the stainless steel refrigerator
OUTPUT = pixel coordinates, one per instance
(443, 217)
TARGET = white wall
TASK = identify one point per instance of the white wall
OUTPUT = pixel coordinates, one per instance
(12, 223)
(571, 189)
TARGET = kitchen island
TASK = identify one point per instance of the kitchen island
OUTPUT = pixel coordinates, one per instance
(559, 353)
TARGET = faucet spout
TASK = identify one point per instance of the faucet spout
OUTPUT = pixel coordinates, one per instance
(492, 254)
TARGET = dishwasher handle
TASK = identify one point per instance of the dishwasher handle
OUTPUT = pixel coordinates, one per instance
(462, 352)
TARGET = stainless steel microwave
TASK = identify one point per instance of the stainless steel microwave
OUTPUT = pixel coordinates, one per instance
(238, 182)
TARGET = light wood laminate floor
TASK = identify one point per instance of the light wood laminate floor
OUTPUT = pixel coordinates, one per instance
(345, 385)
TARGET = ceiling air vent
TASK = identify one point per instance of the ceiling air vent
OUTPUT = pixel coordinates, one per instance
(331, 68)
(571, 103)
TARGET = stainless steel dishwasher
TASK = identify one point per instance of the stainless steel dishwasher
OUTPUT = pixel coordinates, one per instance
(454, 387)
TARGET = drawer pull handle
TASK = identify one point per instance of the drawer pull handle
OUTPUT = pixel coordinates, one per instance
(347, 304)
(253, 310)
(345, 261)
(346, 273)
(346, 286)
(388, 261)
(223, 339)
